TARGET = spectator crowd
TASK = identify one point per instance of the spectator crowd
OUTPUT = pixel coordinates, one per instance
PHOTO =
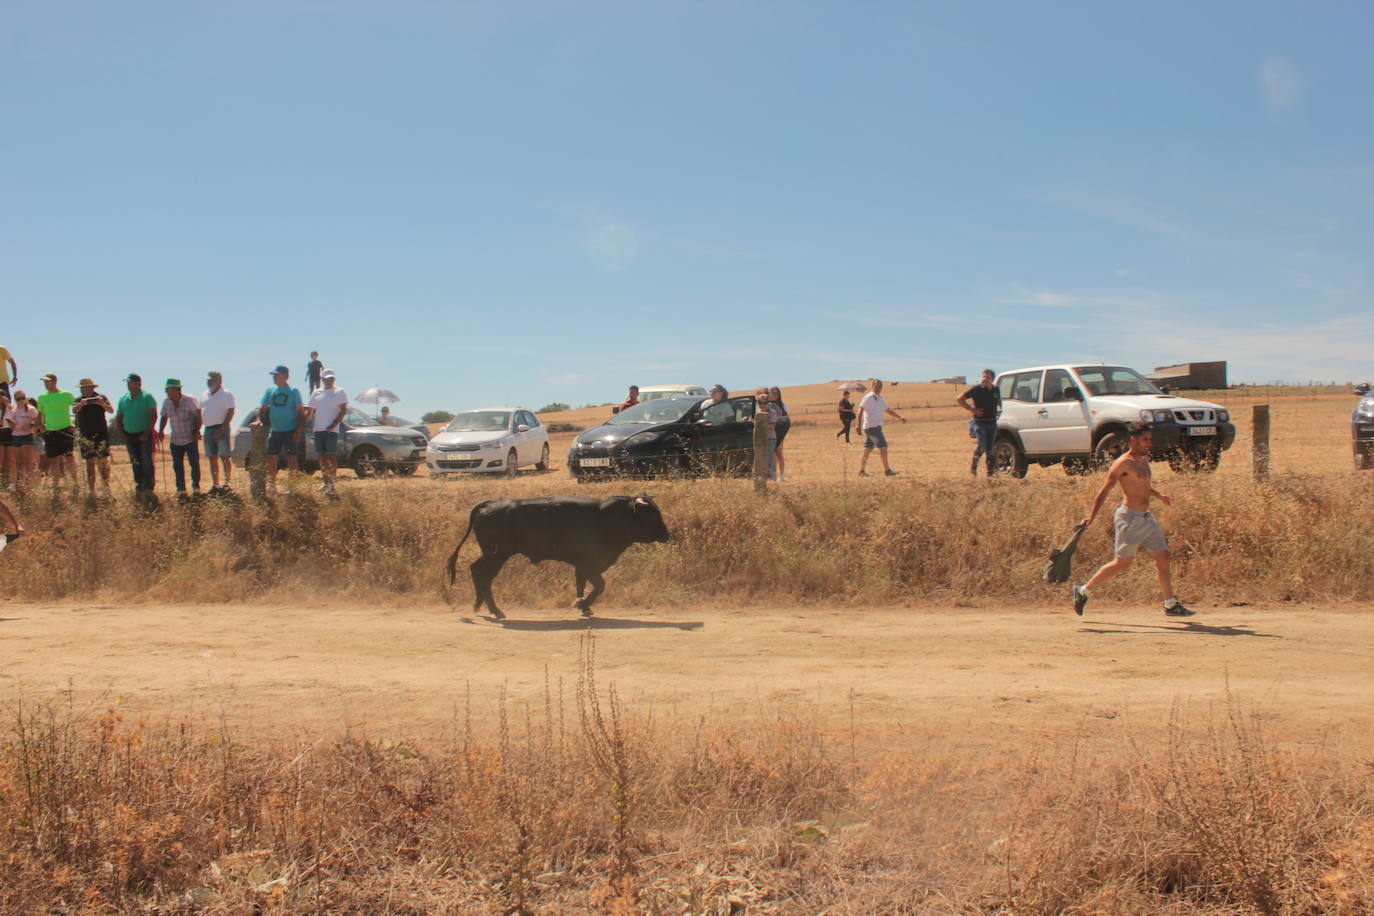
(87, 424)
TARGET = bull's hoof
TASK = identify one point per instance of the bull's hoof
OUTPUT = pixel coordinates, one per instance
(585, 608)
(496, 612)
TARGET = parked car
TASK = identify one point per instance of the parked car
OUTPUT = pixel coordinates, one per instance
(364, 447)
(658, 392)
(1078, 415)
(1362, 428)
(489, 440)
(669, 437)
(402, 422)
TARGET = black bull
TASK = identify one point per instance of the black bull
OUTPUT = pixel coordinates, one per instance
(590, 534)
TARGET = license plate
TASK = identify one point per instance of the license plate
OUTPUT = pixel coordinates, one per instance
(594, 462)
(1202, 430)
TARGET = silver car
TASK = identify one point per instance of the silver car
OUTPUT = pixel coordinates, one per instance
(364, 446)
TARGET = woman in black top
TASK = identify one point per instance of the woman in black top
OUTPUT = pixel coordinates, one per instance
(784, 424)
(846, 415)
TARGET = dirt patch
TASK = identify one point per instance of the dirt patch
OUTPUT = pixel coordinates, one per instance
(988, 672)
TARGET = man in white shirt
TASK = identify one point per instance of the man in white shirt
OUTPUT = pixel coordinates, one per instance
(871, 410)
(217, 407)
(327, 408)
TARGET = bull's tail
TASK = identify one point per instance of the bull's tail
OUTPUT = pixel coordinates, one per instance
(453, 557)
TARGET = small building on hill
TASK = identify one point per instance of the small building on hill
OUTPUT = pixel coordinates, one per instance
(1191, 375)
(952, 380)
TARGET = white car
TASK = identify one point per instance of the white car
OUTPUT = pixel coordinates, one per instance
(489, 440)
(654, 392)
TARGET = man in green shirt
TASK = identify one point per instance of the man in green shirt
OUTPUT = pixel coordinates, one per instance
(137, 416)
(55, 421)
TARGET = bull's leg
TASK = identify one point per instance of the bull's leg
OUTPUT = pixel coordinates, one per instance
(598, 586)
(484, 570)
(581, 583)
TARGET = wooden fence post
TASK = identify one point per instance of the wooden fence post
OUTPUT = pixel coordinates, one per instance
(1260, 453)
(761, 455)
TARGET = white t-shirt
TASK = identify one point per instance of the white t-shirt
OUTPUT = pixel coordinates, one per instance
(326, 402)
(871, 408)
(215, 407)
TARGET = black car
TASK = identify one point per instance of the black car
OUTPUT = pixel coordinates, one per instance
(1362, 429)
(669, 437)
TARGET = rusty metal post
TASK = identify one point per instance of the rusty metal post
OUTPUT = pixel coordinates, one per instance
(1259, 456)
(761, 455)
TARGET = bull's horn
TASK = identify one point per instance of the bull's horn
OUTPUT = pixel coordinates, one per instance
(642, 501)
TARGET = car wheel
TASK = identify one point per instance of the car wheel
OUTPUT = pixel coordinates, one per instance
(543, 464)
(512, 463)
(1009, 459)
(1111, 447)
(367, 461)
(1076, 467)
(1364, 458)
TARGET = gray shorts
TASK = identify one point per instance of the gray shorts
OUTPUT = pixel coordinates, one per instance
(1136, 530)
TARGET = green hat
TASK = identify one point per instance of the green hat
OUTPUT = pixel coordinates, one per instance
(173, 383)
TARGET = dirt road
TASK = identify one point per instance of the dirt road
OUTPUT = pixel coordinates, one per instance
(982, 672)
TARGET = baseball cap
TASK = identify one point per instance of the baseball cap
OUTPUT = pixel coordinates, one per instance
(281, 369)
(133, 377)
(173, 383)
(328, 373)
(213, 373)
(49, 376)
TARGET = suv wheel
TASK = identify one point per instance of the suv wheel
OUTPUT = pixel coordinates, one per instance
(367, 461)
(1076, 467)
(1111, 447)
(1206, 460)
(1009, 459)
(1364, 458)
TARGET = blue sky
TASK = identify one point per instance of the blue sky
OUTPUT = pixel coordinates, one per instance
(473, 203)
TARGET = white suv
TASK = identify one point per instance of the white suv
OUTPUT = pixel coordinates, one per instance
(1078, 415)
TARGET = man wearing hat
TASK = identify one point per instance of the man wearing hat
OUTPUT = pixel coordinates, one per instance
(184, 414)
(217, 413)
(136, 415)
(283, 407)
(55, 412)
(327, 408)
(93, 434)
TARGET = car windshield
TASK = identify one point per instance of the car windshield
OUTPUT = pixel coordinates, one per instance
(661, 411)
(1102, 380)
(479, 421)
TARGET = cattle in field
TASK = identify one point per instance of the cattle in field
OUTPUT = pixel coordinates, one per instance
(589, 534)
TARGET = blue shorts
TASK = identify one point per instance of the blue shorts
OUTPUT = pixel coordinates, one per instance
(281, 443)
(874, 438)
(217, 442)
(326, 443)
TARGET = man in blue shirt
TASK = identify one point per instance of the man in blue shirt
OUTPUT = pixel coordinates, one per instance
(284, 412)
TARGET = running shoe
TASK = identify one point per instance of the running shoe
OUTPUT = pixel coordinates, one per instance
(861, 474)
(1080, 600)
(891, 473)
(1178, 610)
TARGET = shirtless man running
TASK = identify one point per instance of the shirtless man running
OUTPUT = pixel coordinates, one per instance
(1136, 528)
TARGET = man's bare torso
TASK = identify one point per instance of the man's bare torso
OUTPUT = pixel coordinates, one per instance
(1134, 477)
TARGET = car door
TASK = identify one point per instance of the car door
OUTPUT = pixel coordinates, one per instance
(1062, 425)
(1020, 393)
(724, 437)
(528, 448)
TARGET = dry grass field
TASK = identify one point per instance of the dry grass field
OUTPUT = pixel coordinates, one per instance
(848, 696)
